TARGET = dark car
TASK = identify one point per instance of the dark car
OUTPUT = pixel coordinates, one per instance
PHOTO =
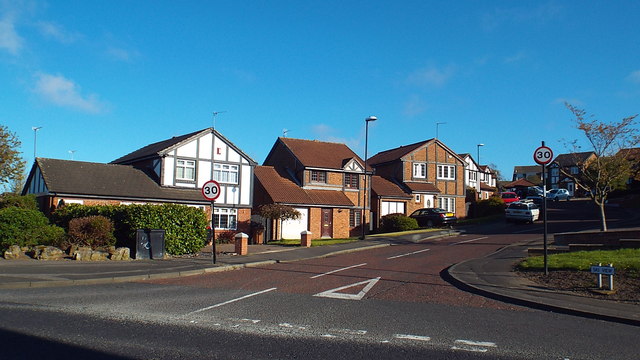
(430, 217)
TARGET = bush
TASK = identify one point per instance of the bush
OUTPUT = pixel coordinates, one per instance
(226, 237)
(23, 202)
(491, 206)
(185, 226)
(398, 222)
(94, 231)
(26, 227)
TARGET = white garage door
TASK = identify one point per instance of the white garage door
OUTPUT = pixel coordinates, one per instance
(291, 229)
(391, 207)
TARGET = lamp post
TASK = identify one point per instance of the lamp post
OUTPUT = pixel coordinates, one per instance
(438, 125)
(367, 194)
(479, 152)
(35, 139)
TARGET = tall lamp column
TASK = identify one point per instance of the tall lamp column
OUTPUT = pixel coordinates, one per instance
(367, 192)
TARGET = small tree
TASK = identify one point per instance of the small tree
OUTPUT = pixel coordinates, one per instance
(610, 169)
(11, 163)
(278, 212)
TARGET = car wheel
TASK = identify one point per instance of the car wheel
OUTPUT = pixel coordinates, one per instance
(430, 223)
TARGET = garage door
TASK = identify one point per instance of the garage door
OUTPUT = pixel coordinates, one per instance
(291, 229)
(392, 207)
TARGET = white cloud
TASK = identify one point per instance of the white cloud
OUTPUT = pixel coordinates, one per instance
(9, 38)
(63, 92)
(430, 76)
(414, 106)
(121, 54)
(57, 32)
(634, 76)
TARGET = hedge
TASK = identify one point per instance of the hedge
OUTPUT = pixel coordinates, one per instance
(185, 226)
(27, 227)
(398, 222)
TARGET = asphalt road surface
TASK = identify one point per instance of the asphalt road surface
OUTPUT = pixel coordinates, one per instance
(387, 303)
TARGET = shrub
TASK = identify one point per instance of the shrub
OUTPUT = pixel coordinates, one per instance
(26, 227)
(398, 222)
(185, 226)
(23, 202)
(491, 206)
(225, 237)
(94, 231)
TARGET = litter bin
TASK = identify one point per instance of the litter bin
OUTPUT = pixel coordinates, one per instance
(149, 244)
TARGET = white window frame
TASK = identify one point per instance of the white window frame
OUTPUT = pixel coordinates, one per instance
(225, 218)
(447, 203)
(420, 170)
(446, 172)
(473, 175)
(226, 173)
(418, 198)
(182, 165)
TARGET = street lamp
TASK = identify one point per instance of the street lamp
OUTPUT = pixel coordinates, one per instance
(367, 194)
(437, 125)
(35, 139)
(479, 152)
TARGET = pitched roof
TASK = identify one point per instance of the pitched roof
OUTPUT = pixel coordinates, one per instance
(320, 154)
(421, 187)
(573, 158)
(519, 182)
(387, 188)
(161, 147)
(66, 177)
(486, 187)
(395, 154)
(528, 169)
(281, 189)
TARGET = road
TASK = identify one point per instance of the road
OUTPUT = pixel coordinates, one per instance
(391, 302)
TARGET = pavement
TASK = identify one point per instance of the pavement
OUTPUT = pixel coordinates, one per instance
(489, 276)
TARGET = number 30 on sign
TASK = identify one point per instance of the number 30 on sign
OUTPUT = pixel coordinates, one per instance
(211, 190)
(543, 155)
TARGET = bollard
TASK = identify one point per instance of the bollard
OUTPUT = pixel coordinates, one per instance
(305, 238)
(242, 240)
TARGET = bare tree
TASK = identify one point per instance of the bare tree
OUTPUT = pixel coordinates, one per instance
(11, 163)
(610, 168)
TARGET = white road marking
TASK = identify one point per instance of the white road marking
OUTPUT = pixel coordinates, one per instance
(230, 301)
(328, 336)
(407, 254)
(290, 326)
(525, 231)
(335, 271)
(349, 331)
(474, 346)
(412, 337)
(333, 293)
(470, 240)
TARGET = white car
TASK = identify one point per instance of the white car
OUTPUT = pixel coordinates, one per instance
(525, 211)
(558, 194)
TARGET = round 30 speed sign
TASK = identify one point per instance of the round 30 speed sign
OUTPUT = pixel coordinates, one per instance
(543, 155)
(211, 190)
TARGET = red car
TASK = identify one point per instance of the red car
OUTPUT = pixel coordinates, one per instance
(509, 197)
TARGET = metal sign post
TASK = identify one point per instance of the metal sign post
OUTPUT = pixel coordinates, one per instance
(211, 191)
(543, 155)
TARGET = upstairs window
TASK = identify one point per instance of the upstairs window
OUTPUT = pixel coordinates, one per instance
(318, 176)
(186, 170)
(446, 172)
(352, 181)
(473, 175)
(224, 173)
(420, 171)
(574, 170)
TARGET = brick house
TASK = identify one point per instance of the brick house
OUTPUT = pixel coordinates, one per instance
(324, 181)
(428, 173)
(573, 164)
(169, 171)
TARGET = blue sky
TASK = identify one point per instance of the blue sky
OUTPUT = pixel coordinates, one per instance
(103, 78)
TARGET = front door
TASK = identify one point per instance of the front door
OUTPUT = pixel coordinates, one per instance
(327, 223)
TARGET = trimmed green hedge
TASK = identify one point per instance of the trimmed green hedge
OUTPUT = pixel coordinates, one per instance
(398, 222)
(185, 226)
(491, 206)
(27, 227)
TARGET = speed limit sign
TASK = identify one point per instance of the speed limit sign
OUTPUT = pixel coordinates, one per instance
(543, 155)
(211, 190)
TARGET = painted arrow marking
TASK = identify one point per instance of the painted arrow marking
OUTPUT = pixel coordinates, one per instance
(335, 294)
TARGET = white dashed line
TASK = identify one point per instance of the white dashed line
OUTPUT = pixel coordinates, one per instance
(407, 254)
(412, 337)
(474, 346)
(230, 301)
(335, 271)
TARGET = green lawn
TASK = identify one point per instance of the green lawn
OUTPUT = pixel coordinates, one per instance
(317, 242)
(627, 259)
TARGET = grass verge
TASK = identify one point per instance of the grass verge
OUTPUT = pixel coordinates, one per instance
(623, 259)
(317, 242)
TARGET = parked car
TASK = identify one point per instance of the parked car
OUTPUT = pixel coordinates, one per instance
(429, 217)
(558, 194)
(509, 197)
(525, 211)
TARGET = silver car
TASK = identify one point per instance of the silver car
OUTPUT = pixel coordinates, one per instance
(558, 194)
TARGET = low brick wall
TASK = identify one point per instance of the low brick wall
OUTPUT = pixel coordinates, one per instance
(609, 238)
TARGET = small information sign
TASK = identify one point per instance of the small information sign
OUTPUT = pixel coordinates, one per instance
(603, 270)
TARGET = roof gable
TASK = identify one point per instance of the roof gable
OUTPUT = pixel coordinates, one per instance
(573, 158)
(319, 154)
(405, 150)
